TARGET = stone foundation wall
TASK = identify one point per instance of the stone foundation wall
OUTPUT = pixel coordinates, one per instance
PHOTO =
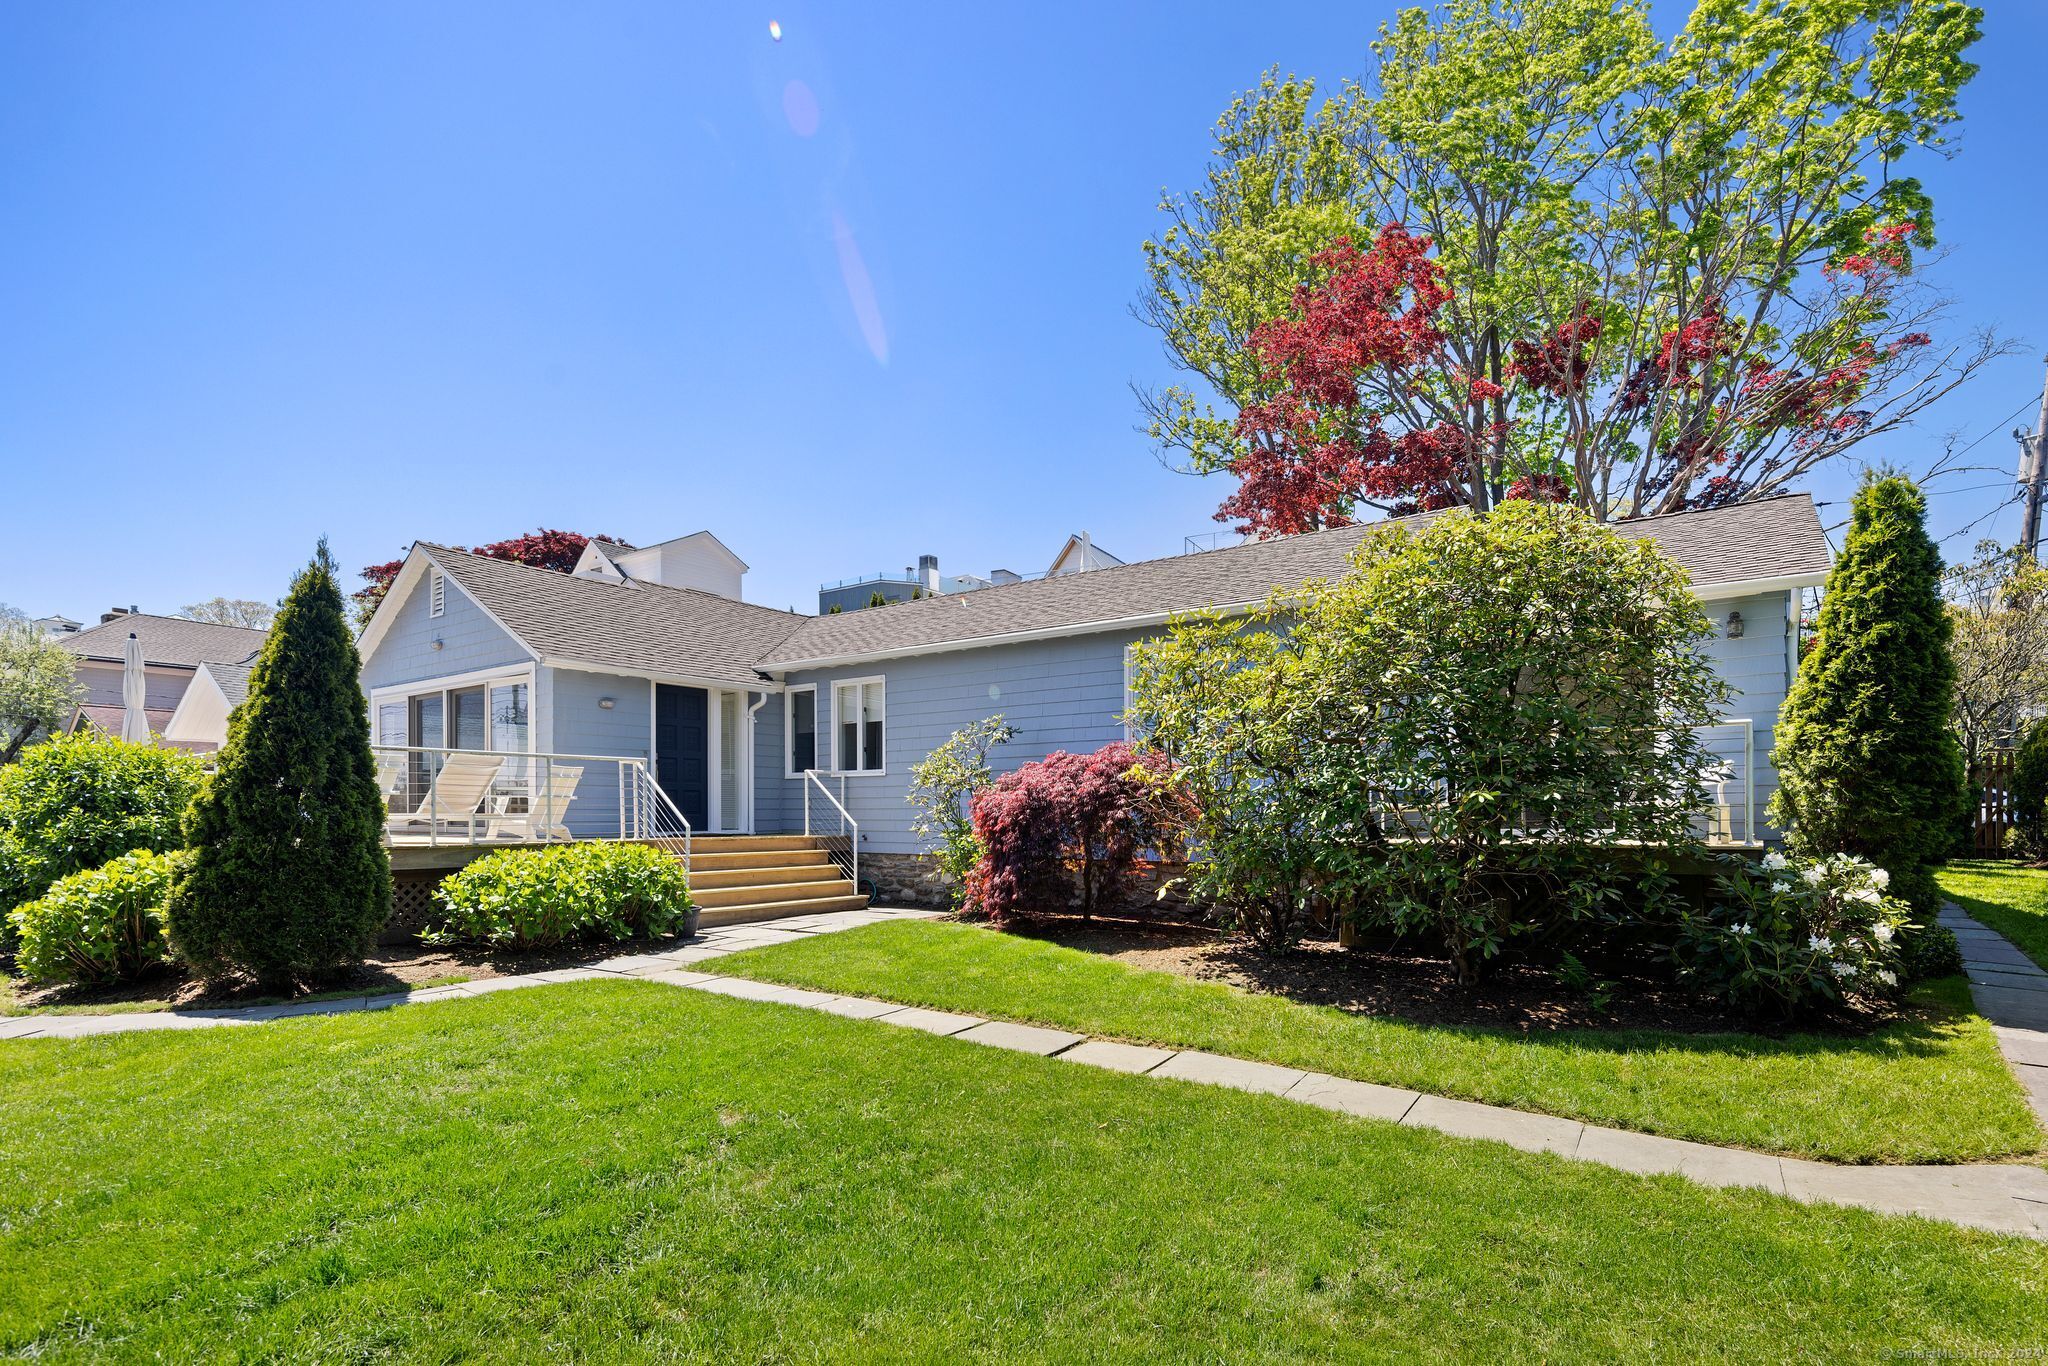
(906, 880)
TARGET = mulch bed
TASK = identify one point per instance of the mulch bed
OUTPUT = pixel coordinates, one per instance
(1402, 984)
(395, 967)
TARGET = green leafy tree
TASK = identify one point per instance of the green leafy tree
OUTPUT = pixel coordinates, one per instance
(1867, 760)
(231, 612)
(942, 786)
(1681, 270)
(2030, 788)
(1451, 739)
(289, 879)
(1998, 602)
(39, 689)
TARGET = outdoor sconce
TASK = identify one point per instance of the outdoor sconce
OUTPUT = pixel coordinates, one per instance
(1735, 626)
(605, 704)
(437, 642)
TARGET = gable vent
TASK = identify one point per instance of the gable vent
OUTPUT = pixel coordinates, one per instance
(438, 592)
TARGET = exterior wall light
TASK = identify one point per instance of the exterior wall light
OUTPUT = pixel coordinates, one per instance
(1735, 626)
(605, 703)
(437, 642)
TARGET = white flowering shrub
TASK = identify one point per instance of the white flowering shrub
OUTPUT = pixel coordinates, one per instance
(1791, 938)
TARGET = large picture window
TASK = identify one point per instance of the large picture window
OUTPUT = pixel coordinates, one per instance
(800, 732)
(857, 715)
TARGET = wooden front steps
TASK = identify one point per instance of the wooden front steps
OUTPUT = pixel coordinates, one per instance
(735, 878)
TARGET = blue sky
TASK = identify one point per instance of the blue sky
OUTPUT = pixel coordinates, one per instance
(391, 272)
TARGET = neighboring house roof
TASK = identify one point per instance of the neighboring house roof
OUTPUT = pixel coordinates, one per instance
(1089, 554)
(1770, 543)
(109, 719)
(650, 628)
(232, 678)
(172, 641)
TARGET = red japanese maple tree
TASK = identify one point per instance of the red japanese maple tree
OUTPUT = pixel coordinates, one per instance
(1362, 406)
(544, 549)
(1068, 823)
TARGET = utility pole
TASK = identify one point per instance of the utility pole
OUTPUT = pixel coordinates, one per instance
(2032, 450)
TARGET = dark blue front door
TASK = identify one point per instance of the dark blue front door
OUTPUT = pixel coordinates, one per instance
(681, 736)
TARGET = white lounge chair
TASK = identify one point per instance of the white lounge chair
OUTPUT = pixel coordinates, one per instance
(547, 804)
(455, 794)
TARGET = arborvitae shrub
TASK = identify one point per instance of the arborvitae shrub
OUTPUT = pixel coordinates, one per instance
(1867, 763)
(289, 879)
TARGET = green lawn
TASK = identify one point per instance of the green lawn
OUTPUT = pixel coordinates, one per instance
(1929, 1089)
(612, 1169)
(2009, 898)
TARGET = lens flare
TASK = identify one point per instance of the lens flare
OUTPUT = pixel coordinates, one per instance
(800, 107)
(775, 30)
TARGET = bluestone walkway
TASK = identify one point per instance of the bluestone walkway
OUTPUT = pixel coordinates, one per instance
(2011, 991)
(2003, 1197)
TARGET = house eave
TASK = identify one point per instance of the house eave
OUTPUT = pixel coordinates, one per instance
(586, 666)
(1713, 592)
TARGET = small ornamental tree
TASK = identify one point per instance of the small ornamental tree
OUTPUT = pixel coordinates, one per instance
(1452, 738)
(289, 879)
(1068, 824)
(1867, 760)
(943, 785)
(39, 688)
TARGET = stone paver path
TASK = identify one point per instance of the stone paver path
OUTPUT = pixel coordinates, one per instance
(2011, 991)
(2003, 1197)
(711, 943)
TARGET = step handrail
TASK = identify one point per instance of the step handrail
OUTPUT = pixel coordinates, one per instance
(845, 816)
(667, 803)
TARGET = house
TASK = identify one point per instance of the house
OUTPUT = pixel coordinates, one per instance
(200, 720)
(753, 722)
(1080, 553)
(173, 648)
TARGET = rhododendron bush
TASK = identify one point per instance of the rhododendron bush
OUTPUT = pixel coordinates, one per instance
(1793, 938)
(1071, 829)
(1544, 253)
(1450, 741)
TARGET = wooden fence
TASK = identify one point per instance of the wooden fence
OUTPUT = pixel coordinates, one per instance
(1991, 780)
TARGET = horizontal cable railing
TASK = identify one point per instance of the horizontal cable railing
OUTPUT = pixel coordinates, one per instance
(437, 796)
(827, 821)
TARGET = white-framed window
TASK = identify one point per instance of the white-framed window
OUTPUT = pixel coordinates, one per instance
(859, 729)
(437, 592)
(799, 731)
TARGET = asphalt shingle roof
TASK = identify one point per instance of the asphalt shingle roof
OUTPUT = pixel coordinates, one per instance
(233, 678)
(687, 633)
(1771, 538)
(641, 628)
(165, 640)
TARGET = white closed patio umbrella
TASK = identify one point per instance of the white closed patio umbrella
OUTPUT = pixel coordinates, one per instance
(134, 720)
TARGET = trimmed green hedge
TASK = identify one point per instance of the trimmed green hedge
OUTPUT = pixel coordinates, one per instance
(102, 925)
(537, 898)
(81, 800)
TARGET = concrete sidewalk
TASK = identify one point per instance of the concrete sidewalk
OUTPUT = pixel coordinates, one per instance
(710, 944)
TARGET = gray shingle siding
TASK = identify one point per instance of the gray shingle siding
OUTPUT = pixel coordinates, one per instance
(581, 726)
(1069, 695)
(1059, 694)
(470, 640)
